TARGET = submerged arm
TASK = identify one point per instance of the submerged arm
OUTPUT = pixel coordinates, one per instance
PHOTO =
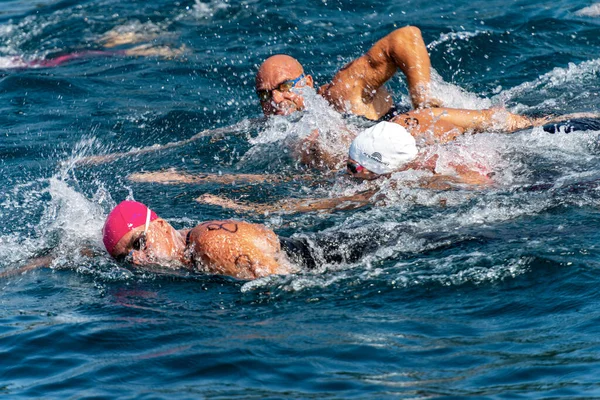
(36, 263)
(218, 133)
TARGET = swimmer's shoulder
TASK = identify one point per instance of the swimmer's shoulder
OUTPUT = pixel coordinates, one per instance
(231, 232)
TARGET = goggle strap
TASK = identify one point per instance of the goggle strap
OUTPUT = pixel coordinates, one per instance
(147, 220)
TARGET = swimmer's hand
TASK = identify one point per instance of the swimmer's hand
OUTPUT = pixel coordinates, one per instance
(550, 119)
(431, 103)
(148, 50)
(114, 38)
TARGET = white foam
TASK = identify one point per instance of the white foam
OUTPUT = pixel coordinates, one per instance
(453, 36)
(208, 9)
(574, 80)
(591, 11)
(283, 133)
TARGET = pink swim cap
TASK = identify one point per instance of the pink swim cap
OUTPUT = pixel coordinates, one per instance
(122, 219)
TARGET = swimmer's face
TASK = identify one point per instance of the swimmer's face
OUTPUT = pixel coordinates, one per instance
(358, 171)
(160, 244)
(275, 81)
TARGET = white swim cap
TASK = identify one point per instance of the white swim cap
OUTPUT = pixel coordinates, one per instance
(383, 148)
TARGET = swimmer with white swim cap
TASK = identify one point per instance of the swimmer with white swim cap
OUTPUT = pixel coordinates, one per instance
(389, 147)
(380, 150)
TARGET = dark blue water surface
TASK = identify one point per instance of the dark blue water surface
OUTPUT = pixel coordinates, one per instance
(472, 292)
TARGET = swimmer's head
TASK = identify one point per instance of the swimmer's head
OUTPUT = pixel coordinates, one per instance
(125, 217)
(275, 79)
(382, 149)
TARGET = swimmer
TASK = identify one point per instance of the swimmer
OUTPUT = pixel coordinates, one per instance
(242, 250)
(109, 40)
(428, 126)
(390, 147)
(134, 233)
(357, 88)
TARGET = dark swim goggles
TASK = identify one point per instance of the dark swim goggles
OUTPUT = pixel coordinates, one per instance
(354, 167)
(285, 86)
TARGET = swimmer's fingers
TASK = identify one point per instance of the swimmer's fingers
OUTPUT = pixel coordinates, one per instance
(567, 117)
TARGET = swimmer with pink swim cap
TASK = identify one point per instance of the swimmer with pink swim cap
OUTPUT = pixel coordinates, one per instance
(124, 218)
(134, 233)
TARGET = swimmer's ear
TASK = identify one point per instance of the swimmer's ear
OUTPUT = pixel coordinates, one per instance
(309, 81)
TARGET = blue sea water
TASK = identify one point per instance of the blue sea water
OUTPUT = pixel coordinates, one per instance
(476, 292)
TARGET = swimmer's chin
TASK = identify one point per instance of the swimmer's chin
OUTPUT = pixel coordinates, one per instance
(288, 110)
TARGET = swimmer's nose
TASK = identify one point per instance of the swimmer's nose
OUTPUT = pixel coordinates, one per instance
(278, 96)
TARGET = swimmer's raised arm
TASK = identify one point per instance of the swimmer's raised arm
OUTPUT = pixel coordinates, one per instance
(360, 83)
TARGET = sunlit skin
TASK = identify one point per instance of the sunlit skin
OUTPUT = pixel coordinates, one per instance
(233, 248)
(357, 87)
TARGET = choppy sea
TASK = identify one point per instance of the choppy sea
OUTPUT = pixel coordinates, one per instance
(482, 293)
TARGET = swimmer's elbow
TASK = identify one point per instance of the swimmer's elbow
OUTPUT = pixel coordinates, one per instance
(407, 33)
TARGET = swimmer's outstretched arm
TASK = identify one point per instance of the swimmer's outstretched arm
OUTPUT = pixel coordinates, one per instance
(172, 177)
(448, 123)
(36, 263)
(293, 205)
(43, 262)
(561, 118)
(102, 159)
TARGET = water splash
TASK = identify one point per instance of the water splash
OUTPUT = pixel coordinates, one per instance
(591, 11)
(282, 134)
(558, 90)
(202, 10)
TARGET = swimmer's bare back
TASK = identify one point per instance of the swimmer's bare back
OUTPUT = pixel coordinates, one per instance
(239, 249)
